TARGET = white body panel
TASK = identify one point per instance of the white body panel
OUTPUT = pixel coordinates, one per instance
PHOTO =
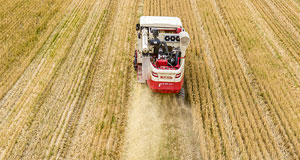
(144, 40)
(160, 21)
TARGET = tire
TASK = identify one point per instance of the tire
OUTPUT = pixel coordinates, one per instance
(135, 60)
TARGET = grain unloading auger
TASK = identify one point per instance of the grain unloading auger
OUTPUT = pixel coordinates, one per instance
(160, 53)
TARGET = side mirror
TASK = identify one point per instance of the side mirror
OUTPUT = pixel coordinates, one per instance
(137, 27)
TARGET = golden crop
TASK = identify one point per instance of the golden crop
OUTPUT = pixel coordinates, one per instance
(68, 89)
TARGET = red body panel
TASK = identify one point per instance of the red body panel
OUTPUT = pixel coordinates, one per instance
(161, 62)
(165, 87)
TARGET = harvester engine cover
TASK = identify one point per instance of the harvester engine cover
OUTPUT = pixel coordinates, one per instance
(160, 53)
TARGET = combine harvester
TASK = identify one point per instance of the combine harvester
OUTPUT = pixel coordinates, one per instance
(160, 53)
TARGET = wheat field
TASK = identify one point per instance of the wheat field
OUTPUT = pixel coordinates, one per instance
(68, 88)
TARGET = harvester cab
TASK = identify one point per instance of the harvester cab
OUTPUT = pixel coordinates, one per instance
(160, 53)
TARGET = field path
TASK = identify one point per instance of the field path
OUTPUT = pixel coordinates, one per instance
(159, 127)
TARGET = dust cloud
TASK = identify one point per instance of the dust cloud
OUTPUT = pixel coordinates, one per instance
(159, 126)
(144, 129)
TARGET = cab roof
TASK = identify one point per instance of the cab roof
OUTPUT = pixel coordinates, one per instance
(160, 21)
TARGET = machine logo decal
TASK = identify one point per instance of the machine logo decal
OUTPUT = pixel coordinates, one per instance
(165, 84)
(166, 77)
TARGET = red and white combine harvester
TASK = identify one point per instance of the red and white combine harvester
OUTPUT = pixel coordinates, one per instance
(160, 53)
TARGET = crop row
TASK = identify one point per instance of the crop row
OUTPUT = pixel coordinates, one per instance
(234, 107)
(22, 36)
(104, 114)
(27, 108)
(269, 92)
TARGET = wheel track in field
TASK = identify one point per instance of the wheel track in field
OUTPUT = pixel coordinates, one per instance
(16, 92)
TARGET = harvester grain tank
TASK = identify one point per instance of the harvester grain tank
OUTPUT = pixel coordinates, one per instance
(160, 53)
